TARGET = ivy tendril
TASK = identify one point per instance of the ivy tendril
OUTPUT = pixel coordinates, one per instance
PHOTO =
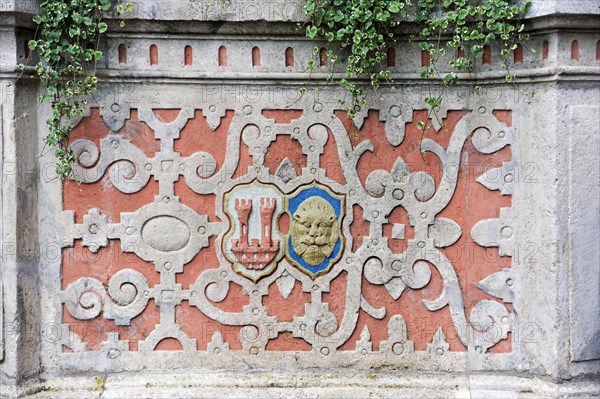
(67, 47)
(364, 30)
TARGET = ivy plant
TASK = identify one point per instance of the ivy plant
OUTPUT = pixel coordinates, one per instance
(364, 30)
(67, 47)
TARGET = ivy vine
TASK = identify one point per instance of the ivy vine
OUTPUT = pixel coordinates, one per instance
(67, 44)
(365, 29)
(69, 30)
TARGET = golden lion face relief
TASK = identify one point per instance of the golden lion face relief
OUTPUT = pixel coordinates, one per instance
(314, 230)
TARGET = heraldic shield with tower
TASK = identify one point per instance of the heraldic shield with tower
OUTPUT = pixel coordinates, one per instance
(255, 243)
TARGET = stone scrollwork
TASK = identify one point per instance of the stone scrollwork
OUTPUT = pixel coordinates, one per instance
(85, 298)
(127, 297)
(125, 161)
(286, 225)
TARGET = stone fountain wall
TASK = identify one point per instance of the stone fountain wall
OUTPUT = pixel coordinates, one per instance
(228, 236)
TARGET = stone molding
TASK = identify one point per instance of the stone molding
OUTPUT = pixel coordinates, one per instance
(344, 385)
(552, 299)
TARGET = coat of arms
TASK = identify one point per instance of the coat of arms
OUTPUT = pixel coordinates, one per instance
(255, 244)
(315, 241)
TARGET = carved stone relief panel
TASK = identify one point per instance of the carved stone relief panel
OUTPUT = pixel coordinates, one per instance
(239, 232)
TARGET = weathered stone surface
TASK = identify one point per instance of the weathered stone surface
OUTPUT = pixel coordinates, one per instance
(584, 231)
(344, 385)
(468, 248)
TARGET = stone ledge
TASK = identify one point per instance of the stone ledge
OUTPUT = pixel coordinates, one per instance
(292, 10)
(281, 28)
(543, 74)
(206, 384)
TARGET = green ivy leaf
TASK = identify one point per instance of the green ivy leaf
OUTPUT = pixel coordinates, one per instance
(311, 31)
(105, 5)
